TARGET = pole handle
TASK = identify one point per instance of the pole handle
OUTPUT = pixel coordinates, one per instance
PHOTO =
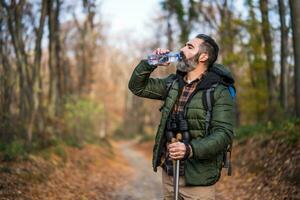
(179, 137)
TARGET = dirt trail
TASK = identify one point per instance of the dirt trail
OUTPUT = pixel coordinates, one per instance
(145, 184)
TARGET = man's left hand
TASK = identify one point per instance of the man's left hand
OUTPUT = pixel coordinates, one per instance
(176, 150)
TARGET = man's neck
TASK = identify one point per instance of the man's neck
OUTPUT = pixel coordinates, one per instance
(196, 73)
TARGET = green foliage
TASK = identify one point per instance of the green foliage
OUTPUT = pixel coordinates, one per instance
(45, 153)
(286, 130)
(81, 119)
(73, 142)
(249, 131)
(77, 125)
(60, 151)
(12, 151)
(253, 93)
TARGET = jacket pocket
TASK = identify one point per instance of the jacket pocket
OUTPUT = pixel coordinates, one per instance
(202, 172)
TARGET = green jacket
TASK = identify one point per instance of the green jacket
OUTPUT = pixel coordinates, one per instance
(205, 166)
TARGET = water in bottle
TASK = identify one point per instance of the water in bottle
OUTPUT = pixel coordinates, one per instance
(155, 59)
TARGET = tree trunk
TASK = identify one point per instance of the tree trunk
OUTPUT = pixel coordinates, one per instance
(59, 71)
(295, 17)
(52, 78)
(12, 31)
(55, 87)
(15, 12)
(85, 52)
(5, 84)
(36, 79)
(283, 56)
(269, 64)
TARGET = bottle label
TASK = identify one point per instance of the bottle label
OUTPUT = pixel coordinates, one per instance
(155, 59)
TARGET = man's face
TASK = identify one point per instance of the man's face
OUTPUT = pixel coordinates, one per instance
(190, 55)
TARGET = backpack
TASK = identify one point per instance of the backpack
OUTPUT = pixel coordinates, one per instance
(208, 103)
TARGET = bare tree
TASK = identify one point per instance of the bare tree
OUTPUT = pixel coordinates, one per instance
(284, 54)
(268, 50)
(85, 47)
(295, 17)
(6, 82)
(36, 73)
(55, 86)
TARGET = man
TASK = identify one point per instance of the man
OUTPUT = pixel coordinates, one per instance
(202, 157)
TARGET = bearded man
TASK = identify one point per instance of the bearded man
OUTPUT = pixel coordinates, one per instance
(201, 158)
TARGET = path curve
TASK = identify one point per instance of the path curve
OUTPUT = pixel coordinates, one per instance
(145, 184)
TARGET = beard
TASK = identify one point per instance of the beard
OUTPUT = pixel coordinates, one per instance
(188, 65)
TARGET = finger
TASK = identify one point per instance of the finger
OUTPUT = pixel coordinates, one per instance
(176, 157)
(164, 51)
(175, 145)
(173, 155)
(159, 51)
(156, 51)
(165, 64)
(173, 149)
(172, 145)
(176, 154)
(181, 148)
(177, 149)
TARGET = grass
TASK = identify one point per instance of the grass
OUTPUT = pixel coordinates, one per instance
(12, 151)
(18, 149)
(286, 130)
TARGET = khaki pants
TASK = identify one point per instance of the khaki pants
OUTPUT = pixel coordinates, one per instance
(191, 192)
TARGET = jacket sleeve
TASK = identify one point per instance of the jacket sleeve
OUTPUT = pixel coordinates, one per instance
(222, 123)
(142, 85)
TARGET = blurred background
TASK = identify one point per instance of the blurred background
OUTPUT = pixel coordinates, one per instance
(65, 66)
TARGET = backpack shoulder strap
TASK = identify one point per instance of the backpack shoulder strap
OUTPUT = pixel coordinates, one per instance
(208, 102)
(169, 85)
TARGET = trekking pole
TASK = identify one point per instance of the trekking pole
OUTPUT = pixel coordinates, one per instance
(176, 164)
(172, 138)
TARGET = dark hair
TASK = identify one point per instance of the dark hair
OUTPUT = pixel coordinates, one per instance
(210, 47)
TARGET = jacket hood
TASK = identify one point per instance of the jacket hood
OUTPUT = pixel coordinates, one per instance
(223, 72)
(216, 74)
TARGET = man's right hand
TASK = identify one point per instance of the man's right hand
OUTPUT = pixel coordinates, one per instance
(160, 51)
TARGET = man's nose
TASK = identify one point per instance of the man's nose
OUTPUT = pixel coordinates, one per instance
(182, 51)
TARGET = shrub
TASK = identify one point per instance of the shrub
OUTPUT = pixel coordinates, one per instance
(81, 119)
(13, 150)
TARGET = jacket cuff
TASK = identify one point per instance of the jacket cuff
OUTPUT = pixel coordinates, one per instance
(145, 63)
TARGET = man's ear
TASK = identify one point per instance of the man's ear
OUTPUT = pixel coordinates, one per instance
(203, 57)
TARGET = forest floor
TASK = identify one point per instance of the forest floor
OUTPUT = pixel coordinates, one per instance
(263, 169)
(92, 172)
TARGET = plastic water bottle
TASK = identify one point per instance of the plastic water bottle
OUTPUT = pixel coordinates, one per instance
(156, 59)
